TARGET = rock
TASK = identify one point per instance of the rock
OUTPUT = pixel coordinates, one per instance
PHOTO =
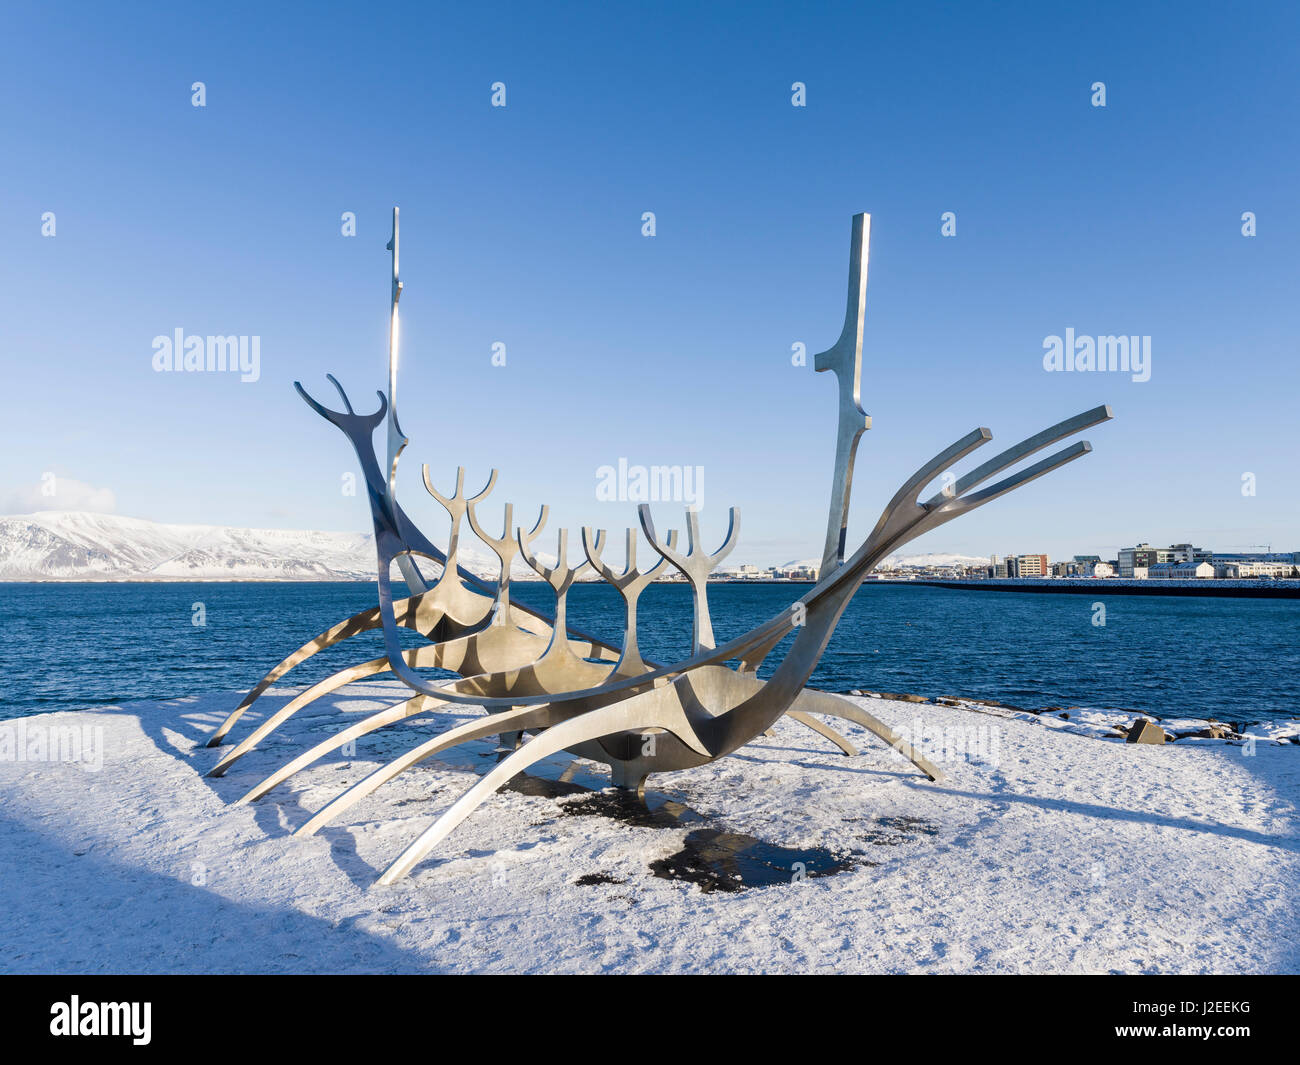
(1143, 731)
(1216, 731)
(1001, 706)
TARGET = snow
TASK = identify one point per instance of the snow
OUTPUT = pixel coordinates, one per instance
(70, 545)
(1115, 724)
(1053, 851)
(73, 545)
(932, 560)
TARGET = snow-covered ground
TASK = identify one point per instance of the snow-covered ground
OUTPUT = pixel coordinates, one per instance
(1049, 850)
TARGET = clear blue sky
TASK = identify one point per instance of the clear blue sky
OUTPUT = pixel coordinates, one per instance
(523, 225)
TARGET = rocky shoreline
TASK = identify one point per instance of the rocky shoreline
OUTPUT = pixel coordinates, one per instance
(1128, 725)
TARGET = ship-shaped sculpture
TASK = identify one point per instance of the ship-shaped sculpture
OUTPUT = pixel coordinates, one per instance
(545, 687)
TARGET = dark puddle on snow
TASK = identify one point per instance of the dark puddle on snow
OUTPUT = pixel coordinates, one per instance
(710, 858)
(731, 861)
(652, 811)
(543, 787)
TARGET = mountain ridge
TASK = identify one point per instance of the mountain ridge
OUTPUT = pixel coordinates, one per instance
(85, 546)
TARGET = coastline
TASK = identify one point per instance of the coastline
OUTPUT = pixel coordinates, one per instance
(1236, 589)
(1115, 722)
(1095, 586)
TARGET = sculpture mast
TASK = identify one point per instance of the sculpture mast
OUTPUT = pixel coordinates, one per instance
(396, 440)
(845, 359)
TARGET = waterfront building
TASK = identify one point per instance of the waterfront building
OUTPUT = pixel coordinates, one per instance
(1146, 555)
(1237, 568)
(1028, 566)
(1182, 570)
(1143, 555)
(1188, 553)
(797, 573)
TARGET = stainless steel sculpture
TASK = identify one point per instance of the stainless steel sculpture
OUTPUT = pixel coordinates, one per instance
(535, 676)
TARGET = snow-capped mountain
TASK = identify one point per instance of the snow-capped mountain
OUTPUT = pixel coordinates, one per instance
(76, 546)
(70, 545)
(933, 559)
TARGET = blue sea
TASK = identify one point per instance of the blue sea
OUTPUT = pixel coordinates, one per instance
(73, 646)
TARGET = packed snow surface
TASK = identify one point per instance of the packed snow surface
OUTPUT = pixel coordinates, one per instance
(1046, 849)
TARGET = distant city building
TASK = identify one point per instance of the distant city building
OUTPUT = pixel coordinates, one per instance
(1183, 561)
(1277, 564)
(1143, 562)
(1146, 555)
(1232, 568)
(1188, 553)
(1028, 566)
(1181, 570)
(1083, 566)
(1143, 555)
(743, 572)
(797, 573)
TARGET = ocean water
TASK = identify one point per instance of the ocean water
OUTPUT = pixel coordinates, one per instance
(73, 646)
